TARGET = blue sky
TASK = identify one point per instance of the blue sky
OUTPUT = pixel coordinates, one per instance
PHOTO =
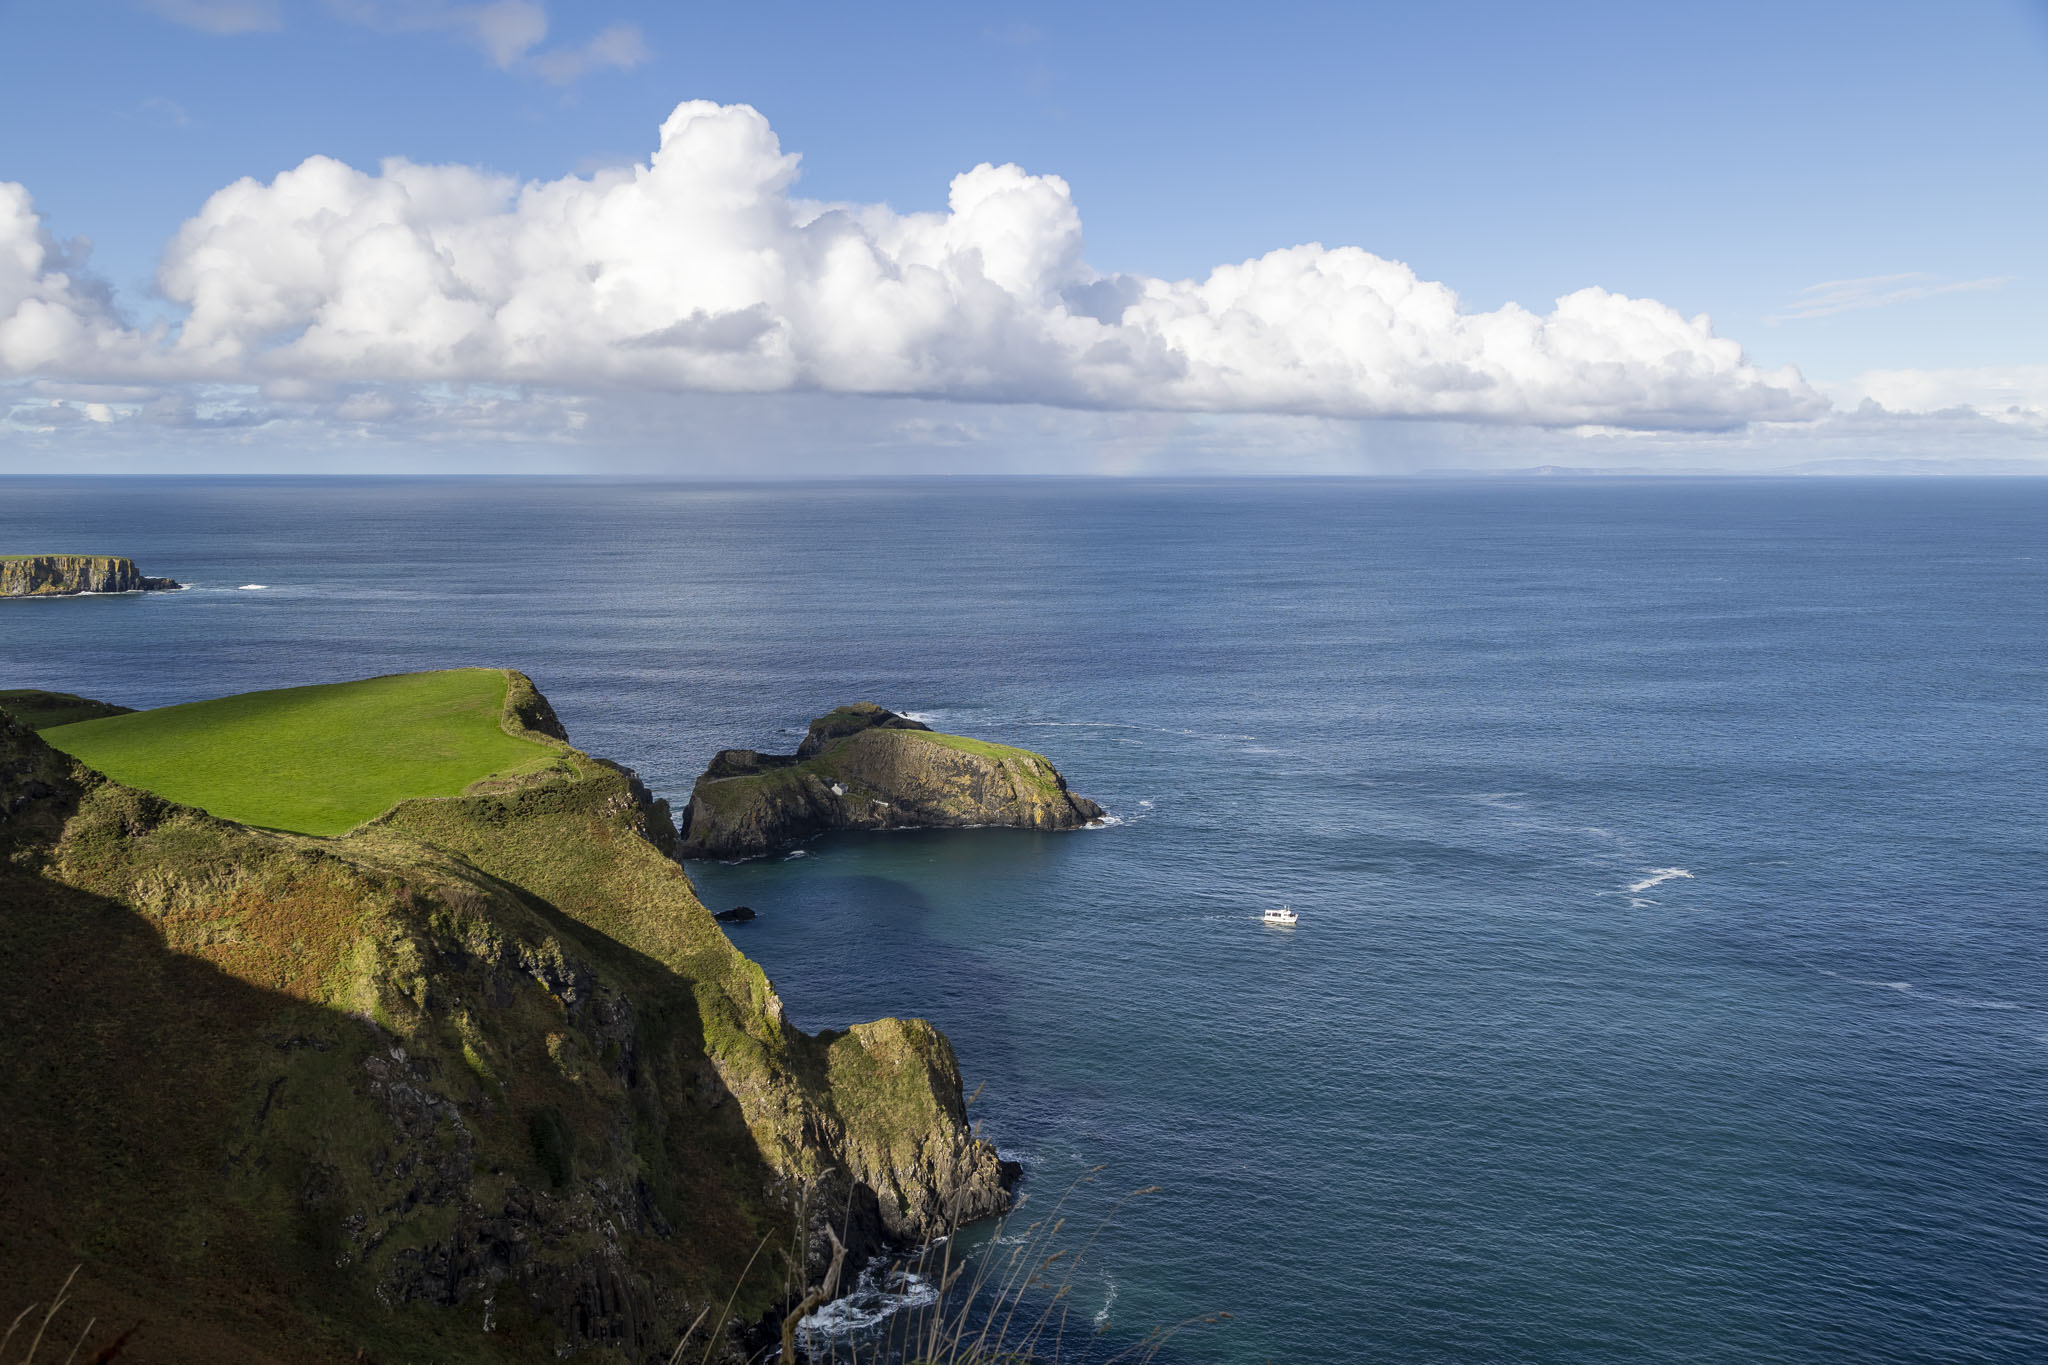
(1848, 189)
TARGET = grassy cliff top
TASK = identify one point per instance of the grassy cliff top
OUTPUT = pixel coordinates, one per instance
(315, 760)
(40, 710)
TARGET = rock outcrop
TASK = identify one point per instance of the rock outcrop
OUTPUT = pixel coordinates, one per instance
(40, 710)
(863, 767)
(59, 575)
(481, 1080)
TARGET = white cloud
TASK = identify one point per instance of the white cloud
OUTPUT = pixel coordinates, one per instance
(1876, 291)
(166, 111)
(505, 31)
(2015, 395)
(54, 319)
(619, 47)
(219, 16)
(446, 303)
(508, 32)
(700, 271)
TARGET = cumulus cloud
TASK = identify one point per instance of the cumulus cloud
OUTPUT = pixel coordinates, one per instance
(54, 318)
(2011, 394)
(702, 271)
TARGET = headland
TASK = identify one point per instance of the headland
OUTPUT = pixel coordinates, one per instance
(69, 575)
(475, 1078)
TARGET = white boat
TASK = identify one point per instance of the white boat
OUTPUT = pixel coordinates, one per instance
(1280, 916)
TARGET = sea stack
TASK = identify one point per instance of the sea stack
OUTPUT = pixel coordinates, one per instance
(864, 767)
(65, 575)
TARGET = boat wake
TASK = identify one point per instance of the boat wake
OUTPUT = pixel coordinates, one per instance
(1920, 992)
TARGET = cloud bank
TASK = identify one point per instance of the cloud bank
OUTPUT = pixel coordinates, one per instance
(702, 271)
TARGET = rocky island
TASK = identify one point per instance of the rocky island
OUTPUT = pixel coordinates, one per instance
(864, 767)
(477, 1078)
(65, 575)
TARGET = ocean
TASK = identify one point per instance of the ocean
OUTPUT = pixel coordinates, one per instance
(1670, 979)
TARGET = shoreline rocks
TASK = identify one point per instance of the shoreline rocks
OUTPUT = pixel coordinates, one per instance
(70, 575)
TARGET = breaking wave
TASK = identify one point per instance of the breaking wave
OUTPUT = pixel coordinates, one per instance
(876, 1296)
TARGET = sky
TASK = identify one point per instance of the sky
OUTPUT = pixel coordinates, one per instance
(362, 235)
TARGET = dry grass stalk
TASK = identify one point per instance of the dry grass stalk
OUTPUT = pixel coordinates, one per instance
(63, 1297)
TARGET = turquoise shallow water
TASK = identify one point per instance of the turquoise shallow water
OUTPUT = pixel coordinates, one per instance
(1513, 1090)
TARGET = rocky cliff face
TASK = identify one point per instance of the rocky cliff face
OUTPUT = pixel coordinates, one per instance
(480, 1081)
(862, 767)
(57, 575)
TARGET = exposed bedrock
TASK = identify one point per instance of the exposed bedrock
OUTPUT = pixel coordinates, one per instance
(863, 767)
(62, 575)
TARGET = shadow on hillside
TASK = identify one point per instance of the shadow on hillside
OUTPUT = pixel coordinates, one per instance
(152, 1138)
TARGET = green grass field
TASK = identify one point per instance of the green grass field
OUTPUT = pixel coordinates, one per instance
(313, 760)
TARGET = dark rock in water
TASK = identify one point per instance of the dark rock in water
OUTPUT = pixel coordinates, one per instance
(739, 914)
(863, 767)
(63, 575)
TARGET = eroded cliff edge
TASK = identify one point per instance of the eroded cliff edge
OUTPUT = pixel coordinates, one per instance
(864, 767)
(63, 575)
(481, 1080)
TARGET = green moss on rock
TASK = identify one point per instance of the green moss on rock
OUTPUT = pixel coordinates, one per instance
(863, 767)
(63, 575)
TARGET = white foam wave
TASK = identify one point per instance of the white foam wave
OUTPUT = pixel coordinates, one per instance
(1144, 803)
(254, 587)
(875, 1297)
(922, 717)
(1108, 1302)
(1106, 822)
(1658, 875)
(791, 857)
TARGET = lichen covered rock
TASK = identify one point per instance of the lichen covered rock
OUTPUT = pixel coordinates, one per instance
(61, 575)
(863, 767)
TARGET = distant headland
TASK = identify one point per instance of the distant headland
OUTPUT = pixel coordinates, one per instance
(67, 575)
(864, 767)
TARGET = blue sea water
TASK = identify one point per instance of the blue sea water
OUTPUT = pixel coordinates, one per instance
(1670, 981)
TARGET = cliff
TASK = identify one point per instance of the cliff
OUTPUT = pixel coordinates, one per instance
(862, 767)
(57, 575)
(479, 1081)
(40, 710)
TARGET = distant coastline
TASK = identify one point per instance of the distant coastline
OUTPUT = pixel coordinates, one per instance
(76, 576)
